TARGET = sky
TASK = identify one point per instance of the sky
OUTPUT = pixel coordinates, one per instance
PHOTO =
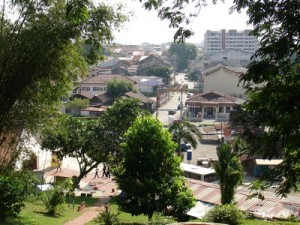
(145, 26)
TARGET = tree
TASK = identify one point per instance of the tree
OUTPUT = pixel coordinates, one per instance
(229, 170)
(194, 76)
(113, 124)
(11, 198)
(42, 54)
(117, 88)
(273, 86)
(184, 131)
(149, 174)
(159, 71)
(183, 53)
(74, 137)
(77, 104)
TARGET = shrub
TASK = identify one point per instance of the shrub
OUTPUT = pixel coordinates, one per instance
(11, 198)
(229, 214)
(53, 199)
(107, 217)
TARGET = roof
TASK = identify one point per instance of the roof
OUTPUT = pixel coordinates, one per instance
(268, 162)
(196, 169)
(138, 96)
(105, 97)
(151, 83)
(83, 95)
(270, 207)
(236, 72)
(213, 97)
(103, 79)
(94, 109)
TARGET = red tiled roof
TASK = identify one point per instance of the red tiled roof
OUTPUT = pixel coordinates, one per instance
(138, 96)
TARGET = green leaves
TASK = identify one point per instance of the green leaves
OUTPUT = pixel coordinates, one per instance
(149, 173)
(77, 11)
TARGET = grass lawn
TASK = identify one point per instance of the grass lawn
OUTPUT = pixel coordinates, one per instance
(34, 213)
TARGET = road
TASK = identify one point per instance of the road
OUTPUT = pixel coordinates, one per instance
(203, 150)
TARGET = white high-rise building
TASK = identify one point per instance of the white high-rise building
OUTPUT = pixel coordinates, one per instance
(216, 41)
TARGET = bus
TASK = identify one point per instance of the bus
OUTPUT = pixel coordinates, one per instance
(198, 172)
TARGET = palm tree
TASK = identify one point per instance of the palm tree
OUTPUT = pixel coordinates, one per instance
(229, 171)
(184, 131)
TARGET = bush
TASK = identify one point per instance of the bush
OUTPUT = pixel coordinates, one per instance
(107, 217)
(53, 199)
(11, 198)
(229, 214)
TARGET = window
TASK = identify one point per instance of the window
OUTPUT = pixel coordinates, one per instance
(221, 109)
(227, 109)
(85, 88)
(97, 88)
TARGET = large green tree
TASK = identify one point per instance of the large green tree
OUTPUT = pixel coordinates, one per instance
(149, 174)
(184, 131)
(74, 137)
(229, 170)
(42, 52)
(183, 53)
(273, 85)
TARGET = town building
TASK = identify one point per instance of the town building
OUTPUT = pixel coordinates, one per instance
(216, 41)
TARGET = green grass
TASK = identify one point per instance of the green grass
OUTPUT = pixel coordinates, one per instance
(127, 218)
(261, 222)
(34, 213)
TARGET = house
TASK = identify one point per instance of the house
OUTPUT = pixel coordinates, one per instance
(149, 84)
(146, 103)
(91, 111)
(224, 79)
(113, 66)
(97, 85)
(211, 105)
(103, 99)
(151, 60)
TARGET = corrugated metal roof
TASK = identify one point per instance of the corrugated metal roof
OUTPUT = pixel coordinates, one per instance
(270, 207)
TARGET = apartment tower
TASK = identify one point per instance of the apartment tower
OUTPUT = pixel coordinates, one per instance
(216, 41)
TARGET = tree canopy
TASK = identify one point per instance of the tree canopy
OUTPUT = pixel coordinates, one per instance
(183, 53)
(42, 53)
(149, 174)
(273, 86)
(75, 137)
(163, 72)
(117, 88)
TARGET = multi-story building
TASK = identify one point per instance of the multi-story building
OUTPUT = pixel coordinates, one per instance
(215, 41)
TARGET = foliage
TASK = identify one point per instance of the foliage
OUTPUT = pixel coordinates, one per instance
(117, 88)
(148, 151)
(107, 217)
(42, 54)
(194, 76)
(163, 72)
(53, 200)
(183, 53)
(229, 170)
(114, 123)
(184, 131)
(228, 214)
(77, 104)
(11, 198)
(273, 86)
(74, 137)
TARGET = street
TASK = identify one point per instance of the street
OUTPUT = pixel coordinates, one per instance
(203, 150)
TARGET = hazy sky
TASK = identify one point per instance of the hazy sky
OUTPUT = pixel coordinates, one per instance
(145, 26)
